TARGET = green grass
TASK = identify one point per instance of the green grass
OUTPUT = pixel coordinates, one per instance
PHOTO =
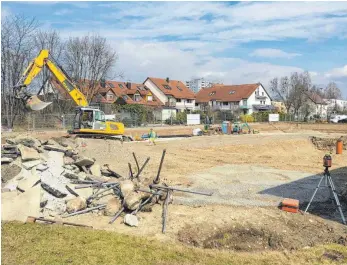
(53, 244)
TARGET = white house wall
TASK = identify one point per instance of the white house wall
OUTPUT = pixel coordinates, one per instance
(185, 105)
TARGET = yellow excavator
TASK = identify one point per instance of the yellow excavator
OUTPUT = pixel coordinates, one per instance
(88, 121)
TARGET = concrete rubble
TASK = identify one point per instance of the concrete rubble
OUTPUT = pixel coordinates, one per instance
(57, 182)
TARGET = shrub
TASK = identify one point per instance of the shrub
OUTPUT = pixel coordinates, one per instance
(246, 118)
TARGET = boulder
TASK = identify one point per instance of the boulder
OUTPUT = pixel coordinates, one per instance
(76, 204)
(84, 161)
(95, 169)
(131, 220)
(113, 206)
(30, 164)
(132, 201)
(28, 154)
(126, 187)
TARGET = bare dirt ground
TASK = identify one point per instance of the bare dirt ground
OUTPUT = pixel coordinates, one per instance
(249, 175)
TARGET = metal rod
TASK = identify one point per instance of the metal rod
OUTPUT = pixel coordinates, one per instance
(131, 172)
(137, 163)
(53, 221)
(153, 186)
(165, 210)
(332, 186)
(138, 173)
(85, 211)
(100, 192)
(76, 181)
(151, 192)
(314, 193)
(157, 179)
(116, 215)
(142, 204)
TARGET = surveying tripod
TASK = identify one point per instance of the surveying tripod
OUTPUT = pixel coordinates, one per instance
(331, 186)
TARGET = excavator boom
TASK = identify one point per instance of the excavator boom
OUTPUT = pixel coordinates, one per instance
(35, 67)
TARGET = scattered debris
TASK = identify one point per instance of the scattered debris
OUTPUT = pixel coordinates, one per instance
(131, 220)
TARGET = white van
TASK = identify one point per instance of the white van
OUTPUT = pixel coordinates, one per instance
(336, 118)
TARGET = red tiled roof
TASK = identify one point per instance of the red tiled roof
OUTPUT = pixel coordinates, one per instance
(226, 93)
(317, 99)
(177, 88)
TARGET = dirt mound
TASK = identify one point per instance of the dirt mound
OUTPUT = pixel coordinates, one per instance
(328, 144)
(294, 233)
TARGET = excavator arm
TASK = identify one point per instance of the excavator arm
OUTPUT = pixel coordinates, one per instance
(34, 68)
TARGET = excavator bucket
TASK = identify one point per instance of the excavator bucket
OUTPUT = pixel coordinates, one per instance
(34, 103)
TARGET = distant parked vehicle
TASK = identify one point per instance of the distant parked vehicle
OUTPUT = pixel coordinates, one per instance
(343, 121)
(337, 118)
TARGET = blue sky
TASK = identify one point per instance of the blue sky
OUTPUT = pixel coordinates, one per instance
(233, 42)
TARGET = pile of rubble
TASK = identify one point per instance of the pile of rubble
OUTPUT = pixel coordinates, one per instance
(328, 144)
(53, 180)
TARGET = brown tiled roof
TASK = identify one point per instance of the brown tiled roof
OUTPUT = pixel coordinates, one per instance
(178, 89)
(317, 99)
(226, 93)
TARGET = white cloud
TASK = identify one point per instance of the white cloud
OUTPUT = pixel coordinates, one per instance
(273, 53)
(337, 72)
(63, 12)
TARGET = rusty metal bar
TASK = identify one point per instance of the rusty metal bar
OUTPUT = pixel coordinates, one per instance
(116, 215)
(138, 173)
(153, 186)
(157, 179)
(85, 210)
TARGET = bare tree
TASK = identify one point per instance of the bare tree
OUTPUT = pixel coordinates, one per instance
(89, 60)
(282, 90)
(301, 84)
(332, 91)
(16, 51)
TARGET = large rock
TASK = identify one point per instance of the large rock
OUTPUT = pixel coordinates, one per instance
(21, 206)
(30, 164)
(28, 154)
(126, 187)
(84, 161)
(95, 169)
(113, 206)
(25, 140)
(76, 204)
(131, 220)
(133, 200)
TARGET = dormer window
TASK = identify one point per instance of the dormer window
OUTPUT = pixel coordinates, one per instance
(212, 93)
(121, 86)
(167, 87)
(231, 92)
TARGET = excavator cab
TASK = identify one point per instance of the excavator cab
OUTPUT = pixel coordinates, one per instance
(89, 118)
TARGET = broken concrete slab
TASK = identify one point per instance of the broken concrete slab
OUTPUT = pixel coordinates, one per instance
(95, 169)
(131, 220)
(82, 176)
(6, 160)
(51, 203)
(21, 206)
(41, 167)
(70, 174)
(56, 148)
(25, 140)
(113, 206)
(53, 184)
(76, 204)
(85, 193)
(30, 164)
(27, 153)
(126, 187)
(29, 182)
(68, 160)
(84, 161)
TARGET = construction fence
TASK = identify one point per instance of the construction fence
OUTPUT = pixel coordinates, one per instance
(43, 122)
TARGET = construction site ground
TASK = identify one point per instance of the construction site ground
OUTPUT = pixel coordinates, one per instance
(248, 174)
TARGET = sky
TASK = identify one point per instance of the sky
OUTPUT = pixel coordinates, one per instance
(230, 42)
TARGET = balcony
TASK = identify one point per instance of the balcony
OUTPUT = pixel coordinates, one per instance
(170, 104)
(245, 107)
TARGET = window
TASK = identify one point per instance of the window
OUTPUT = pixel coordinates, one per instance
(180, 89)
(149, 98)
(167, 87)
(109, 96)
(244, 102)
(178, 100)
(137, 97)
(111, 85)
(125, 97)
(196, 104)
(121, 86)
(231, 92)
(189, 101)
(225, 103)
(212, 93)
(262, 93)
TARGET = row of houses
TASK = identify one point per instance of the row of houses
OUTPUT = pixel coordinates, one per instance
(172, 96)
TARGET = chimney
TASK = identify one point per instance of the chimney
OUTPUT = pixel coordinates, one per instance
(103, 83)
(128, 85)
(167, 80)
